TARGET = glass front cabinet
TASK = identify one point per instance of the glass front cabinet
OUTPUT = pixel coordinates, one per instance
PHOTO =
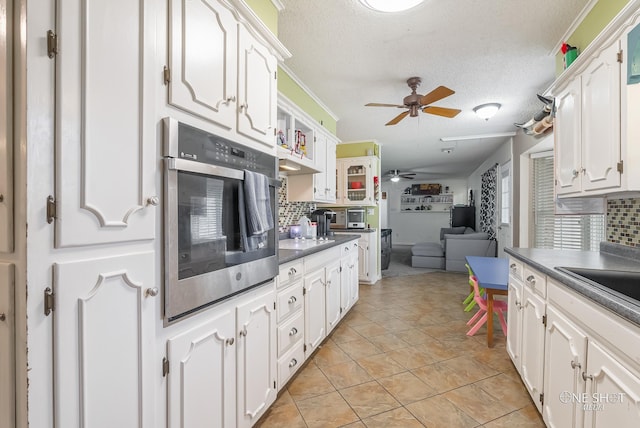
(355, 178)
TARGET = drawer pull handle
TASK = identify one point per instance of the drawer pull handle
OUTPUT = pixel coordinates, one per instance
(293, 362)
(292, 300)
(293, 331)
(512, 266)
(292, 271)
(531, 280)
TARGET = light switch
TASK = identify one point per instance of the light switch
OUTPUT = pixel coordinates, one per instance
(370, 211)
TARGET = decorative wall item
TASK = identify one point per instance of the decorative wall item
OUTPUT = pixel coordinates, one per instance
(623, 221)
(426, 189)
(633, 62)
(488, 201)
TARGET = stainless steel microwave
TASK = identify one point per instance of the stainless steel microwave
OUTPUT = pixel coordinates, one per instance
(356, 218)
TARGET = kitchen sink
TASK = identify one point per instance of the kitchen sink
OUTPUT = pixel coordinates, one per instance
(623, 282)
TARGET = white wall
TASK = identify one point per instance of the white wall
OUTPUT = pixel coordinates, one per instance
(412, 227)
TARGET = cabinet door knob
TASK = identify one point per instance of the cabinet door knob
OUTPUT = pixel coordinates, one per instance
(151, 292)
(585, 376)
(574, 364)
(243, 332)
(293, 331)
(292, 300)
(293, 362)
(531, 280)
(153, 200)
(3, 317)
(230, 341)
(574, 173)
(292, 271)
(231, 99)
(1, 197)
(512, 266)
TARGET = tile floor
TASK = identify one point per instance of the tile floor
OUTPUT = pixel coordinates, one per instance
(401, 358)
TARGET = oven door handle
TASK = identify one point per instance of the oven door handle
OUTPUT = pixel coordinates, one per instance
(214, 170)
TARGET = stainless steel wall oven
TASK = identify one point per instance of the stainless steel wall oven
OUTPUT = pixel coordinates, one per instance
(219, 213)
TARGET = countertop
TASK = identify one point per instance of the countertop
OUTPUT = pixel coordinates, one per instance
(611, 256)
(285, 256)
(353, 231)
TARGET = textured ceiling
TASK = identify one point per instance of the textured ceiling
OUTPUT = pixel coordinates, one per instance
(485, 50)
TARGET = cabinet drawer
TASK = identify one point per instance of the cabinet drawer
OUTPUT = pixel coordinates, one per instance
(535, 281)
(515, 268)
(319, 260)
(348, 248)
(290, 272)
(290, 333)
(289, 363)
(289, 300)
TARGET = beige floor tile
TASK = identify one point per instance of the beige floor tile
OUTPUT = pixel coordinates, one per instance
(369, 399)
(469, 369)
(473, 400)
(330, 354)
(346, 374)
(370, 329)
(527, 417)
(439, 412)
(414, 336)
(359, 348)
(354, 318)
(397, 418)
(310, 382)
(388, 342)
(329, 410)
(380, 316)
(411, 358)
(439, 351)
(283, 398)
(504, 389)
(397, 325)
(406, 387)
(380, 365)
(343, 333)
(282, 416)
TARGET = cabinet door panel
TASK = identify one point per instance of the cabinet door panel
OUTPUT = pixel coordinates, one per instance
(533, 344)
(565, 356)
(601, 121)
(7, 363)
(103, 334)
(514, 321)
(105, 151)
(6, 135)
(257, 90)
(332, 295)
(610, 379)
(567, 134)
(257, 353)
(201, 382)
(202, 52)
(314, 311)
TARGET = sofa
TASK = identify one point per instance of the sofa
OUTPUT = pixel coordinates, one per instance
(455, 244)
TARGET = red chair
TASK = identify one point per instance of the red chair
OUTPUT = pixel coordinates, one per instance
(499, 307)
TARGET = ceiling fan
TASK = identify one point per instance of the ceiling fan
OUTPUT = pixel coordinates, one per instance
(416, 102)
(395, 175)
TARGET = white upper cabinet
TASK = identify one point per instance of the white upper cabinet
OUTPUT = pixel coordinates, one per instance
(202, 56)
(567, 133)
(220, 71)
(105, 138)
(355, 180)
(6, 136)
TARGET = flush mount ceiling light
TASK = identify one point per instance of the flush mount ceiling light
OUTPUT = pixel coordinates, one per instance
(478, 137)
(487, 111)
(390, 5)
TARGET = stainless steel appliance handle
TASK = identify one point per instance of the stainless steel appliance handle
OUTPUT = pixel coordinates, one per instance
(204, 168)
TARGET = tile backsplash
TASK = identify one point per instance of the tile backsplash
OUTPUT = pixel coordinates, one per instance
(290, 212)
(623, 221)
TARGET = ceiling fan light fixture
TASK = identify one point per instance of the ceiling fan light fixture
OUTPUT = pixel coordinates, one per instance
(395, 178)
(487, 111)
(390, 5)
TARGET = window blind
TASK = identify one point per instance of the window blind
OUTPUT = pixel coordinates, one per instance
(578, 232)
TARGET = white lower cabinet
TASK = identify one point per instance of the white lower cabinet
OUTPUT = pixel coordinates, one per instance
(348, 276)
(332, 295)
(202, 374)
(532, 356)
(215, 377)
(566, 348)
(315, 329)
(291, 320)
(583, 367)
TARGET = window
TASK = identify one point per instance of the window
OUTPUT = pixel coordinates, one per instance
(577, 232)
(505, 194)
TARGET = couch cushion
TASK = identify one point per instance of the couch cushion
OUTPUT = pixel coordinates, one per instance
(427, 249)
(451, 230)
(477, 235)
(469, 230)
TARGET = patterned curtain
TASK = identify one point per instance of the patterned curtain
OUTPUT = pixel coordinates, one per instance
(488, 201)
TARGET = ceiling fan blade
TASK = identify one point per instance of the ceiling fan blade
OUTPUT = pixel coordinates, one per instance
(406, 174)
(437, 94)
(383, 105)
(398, 118)
(441, 111)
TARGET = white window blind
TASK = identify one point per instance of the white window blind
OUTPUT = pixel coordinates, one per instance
(578, 232)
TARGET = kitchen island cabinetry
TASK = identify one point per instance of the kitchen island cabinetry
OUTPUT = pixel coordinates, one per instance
(231, 80)
(214, 376)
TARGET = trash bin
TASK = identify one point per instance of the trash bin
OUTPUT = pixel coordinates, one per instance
(385, 247)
